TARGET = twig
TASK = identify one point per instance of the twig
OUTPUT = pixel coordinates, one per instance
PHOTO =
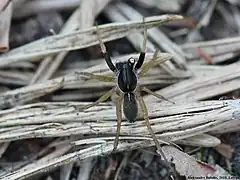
(85, 169)
(86, 153)
(219, 48)
(170, 122)
(174, 123)
(199, 140)
(3, 148)
(156, 35)
(168, 6)
(181, 121)
(224, 41)
(65, 171)
(86, 12)
(73, 80)
(4, 4)
(37, 6)
(15, 77)
(201, 87)
(80, 39)
(207, 16)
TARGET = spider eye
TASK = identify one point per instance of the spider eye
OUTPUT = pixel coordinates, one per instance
(131, 60)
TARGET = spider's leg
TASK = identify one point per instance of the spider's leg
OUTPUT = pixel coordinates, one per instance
(155, 94)
(144, 48)
(97, 77)
(148, 65)
(152, 62)
(119, 119)
(104, 51)
(103, 98)
(144, 110)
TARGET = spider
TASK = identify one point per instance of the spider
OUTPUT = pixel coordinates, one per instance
(127, 88)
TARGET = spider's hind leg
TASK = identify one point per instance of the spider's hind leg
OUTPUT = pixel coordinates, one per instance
(119, 119)
(144, 110)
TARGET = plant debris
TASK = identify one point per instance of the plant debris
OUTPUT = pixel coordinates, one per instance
(47, 49)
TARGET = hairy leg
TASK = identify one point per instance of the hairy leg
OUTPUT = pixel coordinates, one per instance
(159, 149)
(119, 119)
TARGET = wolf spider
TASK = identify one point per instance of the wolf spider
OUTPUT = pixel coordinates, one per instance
(127, 88)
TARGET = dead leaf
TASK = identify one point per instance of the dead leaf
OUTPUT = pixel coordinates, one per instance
(187, 165)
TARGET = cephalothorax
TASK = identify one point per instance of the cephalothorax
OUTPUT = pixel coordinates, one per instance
(126, 75)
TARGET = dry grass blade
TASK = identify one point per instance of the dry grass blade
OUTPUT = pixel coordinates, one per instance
(222, 42)
(69, 26)
(219, 50)
(207, 16)
(73, 80)
(62, 119)
(82, 18)
(3, 148)
(54, 68)
(26, 94)
(185, 120)
(4, 4)
(80, 39)
(21, 65)
(47, 165)
(123, 12)
(199, 140)
(156, 35)
(187, 165)
(207, 85)
(15, 77)
(85, 169)
(37, 6)
(170, 6)
(137, 39)
(65, 171)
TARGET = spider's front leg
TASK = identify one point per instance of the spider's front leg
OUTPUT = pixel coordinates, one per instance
(148, 65)
(152, 62)
(139, 64)
(144, 111)
(143, 51)
(104, 51)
